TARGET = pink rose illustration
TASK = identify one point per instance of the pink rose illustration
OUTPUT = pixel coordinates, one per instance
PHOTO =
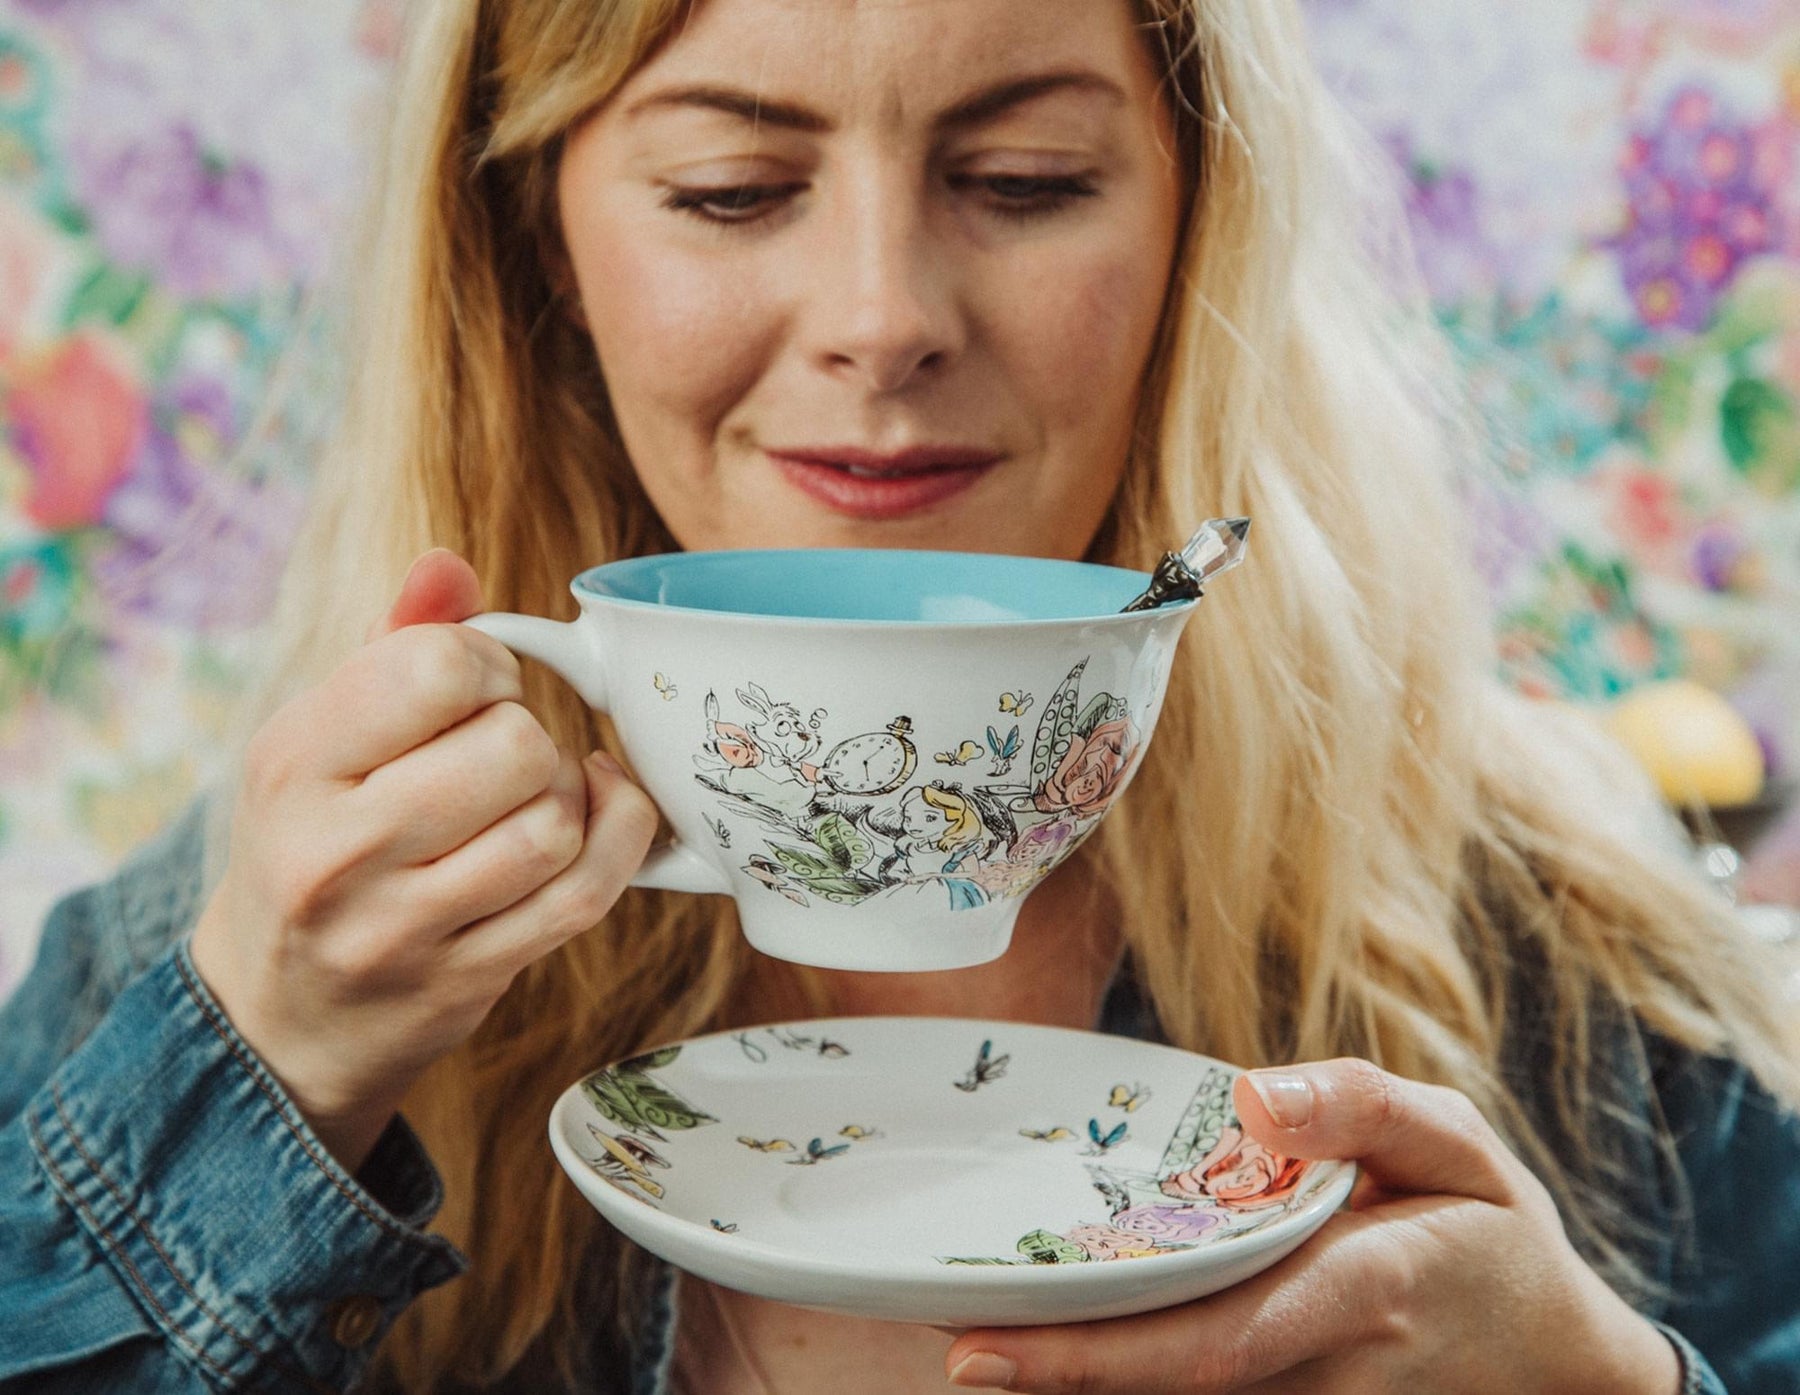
(1092, 770)
(1239, 1172)
(79, 421)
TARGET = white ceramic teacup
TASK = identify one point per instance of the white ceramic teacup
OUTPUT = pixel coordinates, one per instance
(876, 753)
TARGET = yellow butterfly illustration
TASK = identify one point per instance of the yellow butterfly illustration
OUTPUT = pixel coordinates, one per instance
(856, 1132)
(962, 755)
(1128, 1097)
(773, 1145)
(1055, 1135)
(665, 687)
(1016, 703)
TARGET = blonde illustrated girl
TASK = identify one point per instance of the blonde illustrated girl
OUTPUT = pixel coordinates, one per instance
(935, 820)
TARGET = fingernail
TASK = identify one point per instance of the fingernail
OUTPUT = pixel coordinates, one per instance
(419, 560)
(984, 1370)
(1288, 1098)
(604, 761)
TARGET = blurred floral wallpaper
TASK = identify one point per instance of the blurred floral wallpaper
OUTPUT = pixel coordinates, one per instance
(1605, 196)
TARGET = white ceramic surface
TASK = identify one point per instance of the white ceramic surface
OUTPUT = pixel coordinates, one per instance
(942, 1171)
(881, 782)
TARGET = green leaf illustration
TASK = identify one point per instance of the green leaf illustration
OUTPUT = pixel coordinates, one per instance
(1043, 1247)
(1056, 728)
(844, 890)
(1752, 418)
(107, 293)
(635, 1101)
(1104, 707)
(1202, 1123)
(840, 840)
(803, 864)
(652, 1060)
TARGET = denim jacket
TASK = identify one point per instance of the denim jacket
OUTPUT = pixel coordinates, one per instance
(170, 1223)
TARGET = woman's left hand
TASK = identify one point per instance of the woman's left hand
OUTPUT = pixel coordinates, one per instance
(1450, 1272)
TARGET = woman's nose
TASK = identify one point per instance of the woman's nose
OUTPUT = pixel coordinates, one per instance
(882, 302)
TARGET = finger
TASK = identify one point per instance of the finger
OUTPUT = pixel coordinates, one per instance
(621, 821)
(1408, 1137)
(510, 859)
(438, 796)
(1322, 1298)
(393, 695)
(439, 588)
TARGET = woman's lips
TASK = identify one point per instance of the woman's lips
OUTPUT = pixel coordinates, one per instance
(877, 491)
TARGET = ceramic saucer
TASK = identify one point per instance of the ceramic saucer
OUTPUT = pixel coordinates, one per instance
(937, 1170)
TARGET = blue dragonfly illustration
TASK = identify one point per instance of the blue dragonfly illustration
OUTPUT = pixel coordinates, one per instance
(817, 1152)
(1004, 752)
(987, 1067)
(1101, 1143)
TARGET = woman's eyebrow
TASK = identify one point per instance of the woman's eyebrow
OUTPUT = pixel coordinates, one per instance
(971, 111)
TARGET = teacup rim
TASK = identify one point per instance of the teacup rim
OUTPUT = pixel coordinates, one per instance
(583, 592)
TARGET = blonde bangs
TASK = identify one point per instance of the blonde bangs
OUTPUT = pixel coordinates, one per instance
(556, 62)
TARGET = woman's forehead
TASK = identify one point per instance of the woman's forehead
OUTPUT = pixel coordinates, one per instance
(820, 65)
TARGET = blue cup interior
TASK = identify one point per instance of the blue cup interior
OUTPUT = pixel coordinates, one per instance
(872, 585)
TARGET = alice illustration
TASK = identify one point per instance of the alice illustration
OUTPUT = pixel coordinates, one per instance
(943, 820)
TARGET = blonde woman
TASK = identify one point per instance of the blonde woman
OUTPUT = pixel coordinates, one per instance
(1034, 276)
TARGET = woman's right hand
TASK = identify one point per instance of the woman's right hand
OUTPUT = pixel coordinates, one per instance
(406, 839)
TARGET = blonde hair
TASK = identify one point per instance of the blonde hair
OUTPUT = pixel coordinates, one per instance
(965, 824)
(1388, 847)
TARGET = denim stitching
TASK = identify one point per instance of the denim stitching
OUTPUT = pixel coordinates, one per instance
(74, 1197)
(280, 1107)
(1693, 1369)
(138, 1221)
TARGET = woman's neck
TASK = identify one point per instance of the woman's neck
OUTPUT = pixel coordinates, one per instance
(1065, 950)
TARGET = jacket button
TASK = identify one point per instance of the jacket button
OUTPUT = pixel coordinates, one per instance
(352, 1321)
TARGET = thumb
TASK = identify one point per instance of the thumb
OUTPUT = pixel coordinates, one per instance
(440, 588)
(1407, 1137)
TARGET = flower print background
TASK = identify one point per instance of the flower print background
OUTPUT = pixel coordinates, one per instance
(1605, 198)
(170, 175)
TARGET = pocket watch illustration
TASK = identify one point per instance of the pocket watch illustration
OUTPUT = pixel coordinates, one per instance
(874, 763)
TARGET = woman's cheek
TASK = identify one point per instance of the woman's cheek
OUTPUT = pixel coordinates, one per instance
(1111, 321)
(667, 330)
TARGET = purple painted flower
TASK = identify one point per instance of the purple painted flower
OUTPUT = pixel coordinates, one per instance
(1042, 844)
(191, 545)
(1511, 537)
(212, 146)
(1444, 209)
(201, 225)
(1701, 195)
(1720, 554)
(1167, 1224)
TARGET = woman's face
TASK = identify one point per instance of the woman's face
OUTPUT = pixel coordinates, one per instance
(879, 273)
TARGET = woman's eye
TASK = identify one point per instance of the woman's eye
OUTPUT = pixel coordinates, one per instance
(1012, 196)
(1022, 196)
(736, 203)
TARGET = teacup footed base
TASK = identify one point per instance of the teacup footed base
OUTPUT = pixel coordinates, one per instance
(968, 940)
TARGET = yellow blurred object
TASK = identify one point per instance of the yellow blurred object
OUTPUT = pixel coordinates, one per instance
(1694, 744)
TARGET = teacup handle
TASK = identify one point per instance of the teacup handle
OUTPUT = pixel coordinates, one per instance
(568, 649)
